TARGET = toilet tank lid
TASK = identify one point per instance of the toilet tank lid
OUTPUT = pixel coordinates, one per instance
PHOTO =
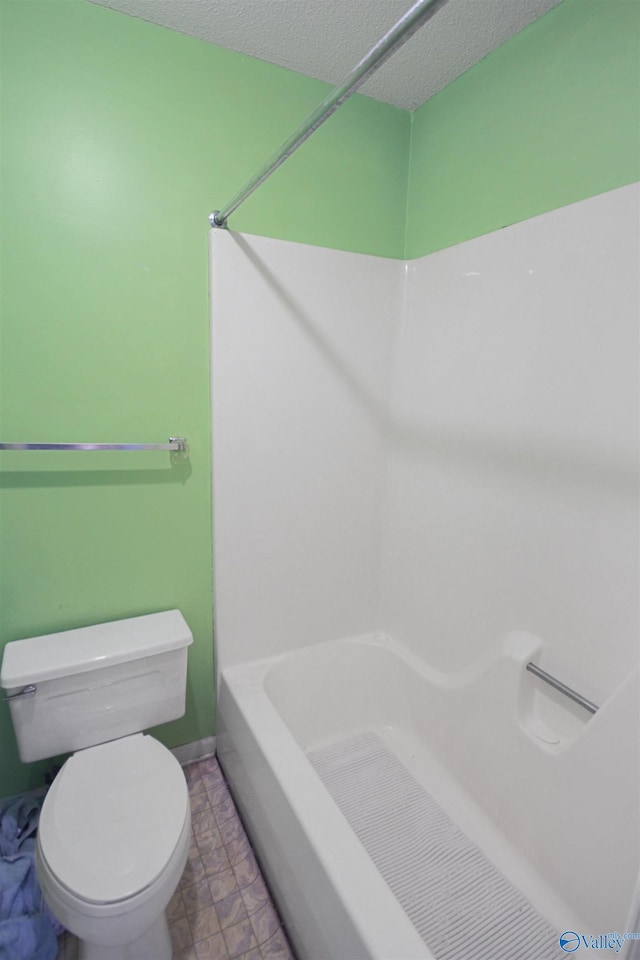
(36, 659)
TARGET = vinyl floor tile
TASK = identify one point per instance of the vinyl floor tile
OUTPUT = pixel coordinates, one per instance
(222, 909)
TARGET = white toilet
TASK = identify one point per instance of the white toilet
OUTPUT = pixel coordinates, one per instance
(115, 825)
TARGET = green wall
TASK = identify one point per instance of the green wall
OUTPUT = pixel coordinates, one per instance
(549, 118)
(118, 138)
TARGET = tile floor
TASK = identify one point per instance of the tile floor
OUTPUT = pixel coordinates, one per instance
(222, 909)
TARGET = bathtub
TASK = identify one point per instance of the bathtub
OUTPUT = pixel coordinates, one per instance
(547, 792)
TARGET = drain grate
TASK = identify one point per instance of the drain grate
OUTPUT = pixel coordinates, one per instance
(461, 905)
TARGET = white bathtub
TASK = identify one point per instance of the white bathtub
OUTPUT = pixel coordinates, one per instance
(548, 792)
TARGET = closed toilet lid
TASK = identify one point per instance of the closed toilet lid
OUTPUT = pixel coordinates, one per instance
(113, 817)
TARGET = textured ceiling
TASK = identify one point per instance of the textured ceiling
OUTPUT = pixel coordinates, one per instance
(327, 38)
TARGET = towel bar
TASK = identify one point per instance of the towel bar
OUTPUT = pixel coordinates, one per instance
(175, 444)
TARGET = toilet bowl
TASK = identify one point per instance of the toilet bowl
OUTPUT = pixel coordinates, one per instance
(112, 843)
(115, 826)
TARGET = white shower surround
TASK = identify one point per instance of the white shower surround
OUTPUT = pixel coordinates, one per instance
(443, 452)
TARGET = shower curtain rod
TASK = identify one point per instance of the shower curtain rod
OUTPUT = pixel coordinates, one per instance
(406, 26)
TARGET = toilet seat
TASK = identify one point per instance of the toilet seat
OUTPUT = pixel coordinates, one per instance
(113, 819)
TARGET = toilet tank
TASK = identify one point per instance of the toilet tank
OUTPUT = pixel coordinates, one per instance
(97, 683)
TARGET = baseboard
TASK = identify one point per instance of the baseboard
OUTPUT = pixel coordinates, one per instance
(194, 751)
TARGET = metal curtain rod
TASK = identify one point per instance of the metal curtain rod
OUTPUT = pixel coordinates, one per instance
(176, 444)
(406, 26)
(563, 688)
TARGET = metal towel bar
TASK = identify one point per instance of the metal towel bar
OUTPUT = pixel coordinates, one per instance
(563, 688)
(175, 444)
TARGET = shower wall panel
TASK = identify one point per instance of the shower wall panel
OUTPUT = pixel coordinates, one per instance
(512, 469)
(445, 450)
(302, 340)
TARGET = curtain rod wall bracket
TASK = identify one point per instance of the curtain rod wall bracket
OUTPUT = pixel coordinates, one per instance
(215, 222)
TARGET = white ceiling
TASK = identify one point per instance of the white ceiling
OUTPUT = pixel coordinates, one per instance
(325, 39)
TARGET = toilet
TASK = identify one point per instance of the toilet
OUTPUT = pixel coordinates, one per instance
(115, 825)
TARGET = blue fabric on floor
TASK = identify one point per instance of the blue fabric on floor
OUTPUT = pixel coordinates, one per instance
(27, 928)
(18, 822)
(27, 938)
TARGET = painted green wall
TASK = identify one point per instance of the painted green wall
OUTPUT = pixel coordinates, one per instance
(549, 118)
(118, 138)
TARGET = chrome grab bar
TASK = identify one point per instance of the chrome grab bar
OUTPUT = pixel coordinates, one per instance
(28, 691)
(563, 688)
